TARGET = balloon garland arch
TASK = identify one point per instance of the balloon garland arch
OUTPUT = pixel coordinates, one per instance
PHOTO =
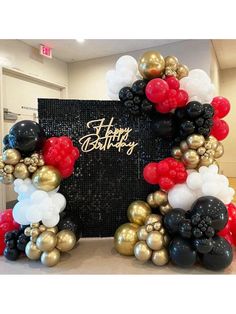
(37, 225)
(190, 217)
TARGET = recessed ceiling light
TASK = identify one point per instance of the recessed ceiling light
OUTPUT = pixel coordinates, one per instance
(80, 40)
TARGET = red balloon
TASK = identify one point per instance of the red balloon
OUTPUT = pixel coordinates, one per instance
(150, 173)
(172, 82)
(156, 90)
(182, 98)
(221, 106)
(166, 183)
(220, 129)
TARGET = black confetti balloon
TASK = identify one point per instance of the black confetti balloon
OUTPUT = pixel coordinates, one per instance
(220, 256)
(181, 252)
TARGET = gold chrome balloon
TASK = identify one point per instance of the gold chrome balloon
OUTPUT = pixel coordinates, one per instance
(160, 198)
(138, 212)
(150, 200)
(219, 151)
(190, 159)
(7, 178)
(151, 65)
(155, 240)
(206, 161)
(149, 228)
(151, 219)
(9, 169)
(182, 71)
(42, 228)
(66, 240)
(183, 146)
(11, 156)
(50, 258)
(142, 233)
(160, 258)
(176, 152)
(125, 238)
(142, 252)
(27, 231)
(32, 252)
(164, 209)
(47, 241)
(195, 141)
(211, 142)
(171, 62)
(201, 151)
(166, 240)
(21, 171)
(53, 229)
(157, 225)
(46, 178)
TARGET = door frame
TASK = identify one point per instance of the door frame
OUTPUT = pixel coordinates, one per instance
(34, 79)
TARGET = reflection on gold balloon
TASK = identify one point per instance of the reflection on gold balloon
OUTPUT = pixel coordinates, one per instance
(171, 62)
(32, 252)
(66, 240)
(46, 178)
(160, 198)
(183, 146)
(182, 71)
(142, 233)
(219, 150)
(155, 240)
(125, 238)
(21, 171)
(190, 159)
(47, 241)
(142, 252)
(11, 156)
(151, 219)
(160, 258)
(138, 212)
(176, 152)
(195, 141)
(50, 258)
(151, 65)
(164, 209)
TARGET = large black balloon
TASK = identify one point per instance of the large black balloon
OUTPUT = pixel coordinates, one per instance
(181, 252)
(163, 125)
(212, 207)
(26, 136)
(203, 245)
(172, 220)
(69, 224)
(12, 254)
(220, 256)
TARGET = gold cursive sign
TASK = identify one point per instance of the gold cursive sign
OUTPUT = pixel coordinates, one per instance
(104, 137)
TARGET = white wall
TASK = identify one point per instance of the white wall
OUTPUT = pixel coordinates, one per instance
(16, 54)
(215, 69)
(87, 78)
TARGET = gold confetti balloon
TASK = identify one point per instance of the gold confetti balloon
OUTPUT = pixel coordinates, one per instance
(151, 65)
(21, 171)
(51, 258)
(32, 252)
(11, 156)
(66, 240)
(160, 258)
(155, 240)
(138, 211)
(46, 241)
(142, 252)
(125, 238)
(46, 178)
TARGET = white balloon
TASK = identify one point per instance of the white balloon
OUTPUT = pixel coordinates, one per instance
(211, 188)
(194, 181)
(213, 169)
(127, 62)
(52, 222)
(199, 74)
(19, 212)
(38, 196)
(59, 201)
(33, 213)
(180, 196)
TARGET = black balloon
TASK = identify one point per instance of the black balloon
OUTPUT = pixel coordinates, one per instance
(203, 246)
(126, 94)
(22, 242)
(11, 243)
(12, 254)
(5, 140)
(26, 136)
(194, 109)
(220, 256)
(181, 252)
(67, 223)
(172, 220)
(138, 87)
(146, 106)
(212, 207)
(163, 125)
(185, 228)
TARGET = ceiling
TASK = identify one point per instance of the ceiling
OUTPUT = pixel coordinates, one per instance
(226, 52)
(70, 50)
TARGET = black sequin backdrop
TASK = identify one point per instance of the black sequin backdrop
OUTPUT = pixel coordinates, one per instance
(105, 182)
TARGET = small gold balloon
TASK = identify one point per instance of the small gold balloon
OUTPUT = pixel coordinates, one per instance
(160, 258)
(212, 142)
(210, 152)
(171, 62)
(47, 241)
(157, 225)
(182, 71)
(42, 228)
(201, 151)
(142, 252)
(32, 252)
(206, 161)
(138, 212)
(11, 156)
(150, 200)
(155, 240)
(164, 209)
(125, 238)
(195, 141)
(53, 229)
(46, 178)
(176, 152)
(32, 169)
(183, 146)
(27, 161)
(34, 232)
(151, 65)
(7, 179)
(40, 162)
(142, 233)
(50, 258)
(149, 228)
(160, 198)
(190, 159)
(27, 231)
(162, 231)
(151, 219)
(9, 169)
(166, 240)
(35, 225)
(219, 151)
(66, 240)
(21, 171)
(170, 72)
(2, 164)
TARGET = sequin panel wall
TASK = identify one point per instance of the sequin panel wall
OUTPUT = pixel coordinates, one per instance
(105, 181)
